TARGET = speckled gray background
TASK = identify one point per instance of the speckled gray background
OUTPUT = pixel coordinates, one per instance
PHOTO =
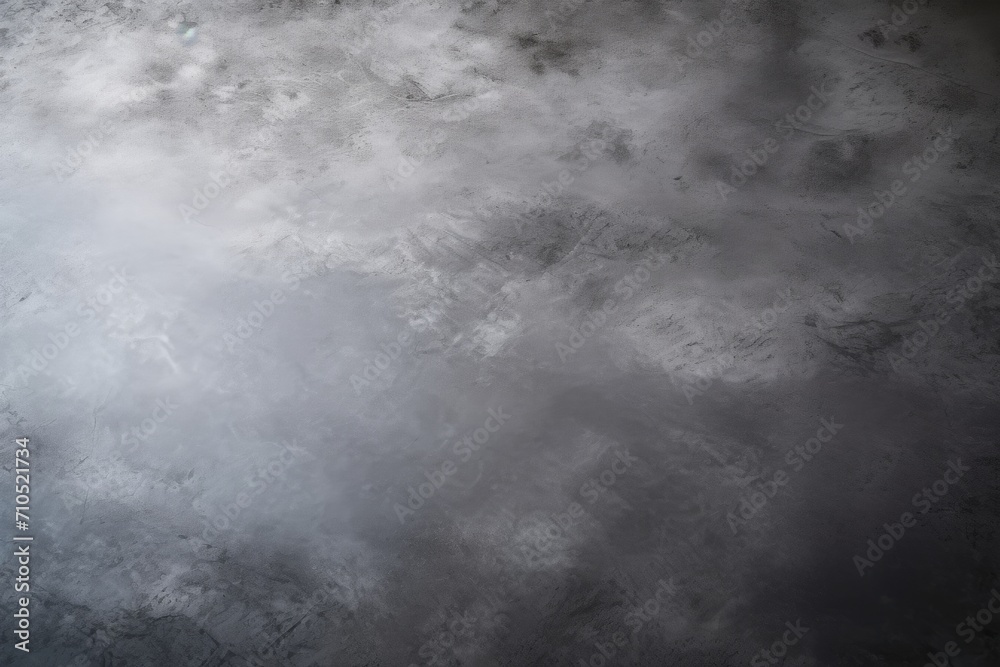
(367, 246)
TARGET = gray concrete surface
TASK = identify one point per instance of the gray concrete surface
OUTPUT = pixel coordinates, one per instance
(501, 332)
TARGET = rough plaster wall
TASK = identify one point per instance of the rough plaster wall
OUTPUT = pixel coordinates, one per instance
(399, 200)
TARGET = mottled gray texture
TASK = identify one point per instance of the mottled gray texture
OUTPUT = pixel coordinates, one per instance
(739, 322)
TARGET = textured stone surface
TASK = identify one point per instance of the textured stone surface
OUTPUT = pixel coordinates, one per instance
(342, 241)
